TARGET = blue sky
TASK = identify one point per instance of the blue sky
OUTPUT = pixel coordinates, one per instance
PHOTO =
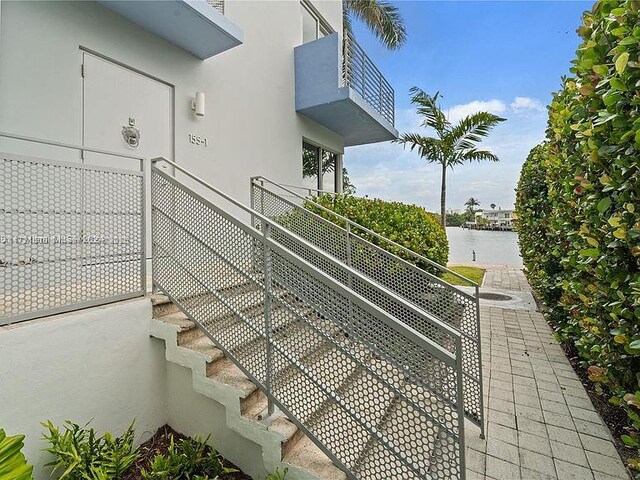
(506, 57)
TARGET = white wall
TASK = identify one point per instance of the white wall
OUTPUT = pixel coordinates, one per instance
(95, 364)
(250, 121)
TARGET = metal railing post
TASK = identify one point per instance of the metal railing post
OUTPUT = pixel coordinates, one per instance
(480, 382)
(460, 405)
(143, 206)
(267, 314)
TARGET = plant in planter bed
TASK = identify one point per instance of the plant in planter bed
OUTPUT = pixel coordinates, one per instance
(81, 454)
(13, 465)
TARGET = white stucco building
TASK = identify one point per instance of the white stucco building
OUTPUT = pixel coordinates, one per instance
(263, 329)
(498, 218)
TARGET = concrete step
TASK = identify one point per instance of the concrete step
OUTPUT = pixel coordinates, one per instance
(422, 439)
(161, 305)
(307, 456)
(322, 357)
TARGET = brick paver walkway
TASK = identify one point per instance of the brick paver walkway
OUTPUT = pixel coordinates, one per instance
(541, 423)
(505, 278)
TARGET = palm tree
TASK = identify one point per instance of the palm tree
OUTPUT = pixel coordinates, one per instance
(382, 18)
(453, 144)
(493, 206)
(471, 204)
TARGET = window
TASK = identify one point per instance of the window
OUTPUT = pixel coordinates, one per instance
(318, 167)
(313, 27)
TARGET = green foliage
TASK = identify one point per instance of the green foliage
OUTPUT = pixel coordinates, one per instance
(381, 17)
(409, 225)
(80, 454)
(458, 219)
(187, 459)
(13, 464)
(474, 274)
(277, 475)
(540, 247)
(589, 245)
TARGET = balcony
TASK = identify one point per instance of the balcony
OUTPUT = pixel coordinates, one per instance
(339, 87)
(199, 27)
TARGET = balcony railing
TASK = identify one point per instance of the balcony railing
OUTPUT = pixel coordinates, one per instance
(361, 74)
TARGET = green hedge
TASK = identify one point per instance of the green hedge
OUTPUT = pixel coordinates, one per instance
(592, 174)
(539, 246)
(409, 225)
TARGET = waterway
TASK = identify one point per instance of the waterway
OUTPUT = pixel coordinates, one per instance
(491, 247)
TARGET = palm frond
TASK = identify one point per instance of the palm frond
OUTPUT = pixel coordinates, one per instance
(427, 107)
(470, 131)
(428, 148)
(381, 17)
(474, 155)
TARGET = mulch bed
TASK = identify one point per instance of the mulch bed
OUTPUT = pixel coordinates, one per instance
(159, 444)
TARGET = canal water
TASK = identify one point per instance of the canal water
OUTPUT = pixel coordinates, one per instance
(490, 247)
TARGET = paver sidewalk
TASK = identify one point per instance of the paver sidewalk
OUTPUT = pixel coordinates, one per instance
(541, 423)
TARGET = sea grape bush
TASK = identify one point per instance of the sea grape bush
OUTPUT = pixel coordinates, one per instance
(539, 246)
(584, 259)
(409, 225)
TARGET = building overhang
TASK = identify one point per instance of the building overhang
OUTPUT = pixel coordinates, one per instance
(192, 25)
(322, 96)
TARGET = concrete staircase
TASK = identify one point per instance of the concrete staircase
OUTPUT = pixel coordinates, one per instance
(216, 377)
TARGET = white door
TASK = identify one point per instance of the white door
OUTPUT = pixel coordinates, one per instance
(118, 100)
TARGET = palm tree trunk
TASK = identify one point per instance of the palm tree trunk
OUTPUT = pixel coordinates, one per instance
(443, 197)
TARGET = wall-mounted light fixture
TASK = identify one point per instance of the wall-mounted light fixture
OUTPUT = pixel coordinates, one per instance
(197, 104)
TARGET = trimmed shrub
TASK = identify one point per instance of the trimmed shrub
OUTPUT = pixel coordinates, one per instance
(592, 174)
(539, 246)
(409, 225)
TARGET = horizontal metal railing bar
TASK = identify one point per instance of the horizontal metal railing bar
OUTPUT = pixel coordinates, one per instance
(352, 43)
(368, 231)
(364, 77)
(327, 390)
(75, 259)
(68, 145)
(290, 309)
(30, 211)
(363, 303)
(70, 308)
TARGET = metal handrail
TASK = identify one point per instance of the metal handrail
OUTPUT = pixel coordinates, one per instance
(368, 231)
(72, 146)
(354, 274)
(270, 251)
(335, 239)
(360, 73)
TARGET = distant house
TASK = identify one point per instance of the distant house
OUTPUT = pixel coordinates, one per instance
(498, 218)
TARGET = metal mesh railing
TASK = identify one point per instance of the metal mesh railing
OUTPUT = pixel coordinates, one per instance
(217, 4)
(361, 74)
(379, 398)
(71, 236)
(344, 241)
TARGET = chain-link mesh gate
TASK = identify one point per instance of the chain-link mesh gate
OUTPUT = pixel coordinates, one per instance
(344, 241)
(71, 236)
(377, 397)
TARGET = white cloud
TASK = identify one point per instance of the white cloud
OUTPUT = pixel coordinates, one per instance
(458, 112)
(523, 104)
